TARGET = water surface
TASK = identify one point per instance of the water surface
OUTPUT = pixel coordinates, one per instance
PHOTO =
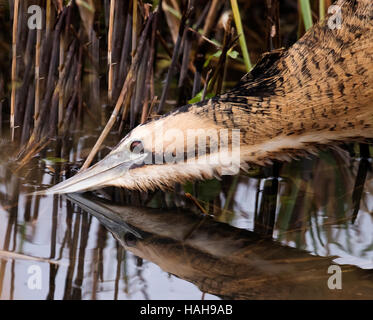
(306, 204)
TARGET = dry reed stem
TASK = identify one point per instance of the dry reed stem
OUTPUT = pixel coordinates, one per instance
(172, 21)
(206, 85)
(134, 27)
(195, 201)
(126, 87)
(210, 19)
(110, 50)
(61, 91)
(126, 108)
(149, 94)
(37, 79)
(175, 55)
(48, 22)
(14, 66)
(35, 148)
(20, 256)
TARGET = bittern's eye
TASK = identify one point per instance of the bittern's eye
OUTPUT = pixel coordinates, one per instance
(137, 147)
(130, 239)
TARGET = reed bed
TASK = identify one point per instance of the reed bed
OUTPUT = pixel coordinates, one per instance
(88, 51)
(114, 64)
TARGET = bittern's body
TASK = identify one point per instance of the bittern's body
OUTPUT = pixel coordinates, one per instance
(318, 92)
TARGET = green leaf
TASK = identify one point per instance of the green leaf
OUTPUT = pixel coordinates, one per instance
(217, 54)
(231, 53)
(53, 160)
(243, 45)
(306, 13)
(198, 97)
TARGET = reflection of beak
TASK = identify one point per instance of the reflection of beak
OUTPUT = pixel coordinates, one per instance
(106, 216)
(102, 174)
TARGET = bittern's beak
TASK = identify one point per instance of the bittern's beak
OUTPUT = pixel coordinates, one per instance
(104, 173)
(107, 217)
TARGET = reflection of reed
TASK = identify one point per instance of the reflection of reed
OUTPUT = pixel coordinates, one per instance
(220, 259)
(118, 272)
(54, 227)
(11, 230)
(265, 218)
(73, 246)
(364, 167)
(308, 179)
(139, 276)
(84, 232)
(315, 186)
(53, 269)
(97, 262)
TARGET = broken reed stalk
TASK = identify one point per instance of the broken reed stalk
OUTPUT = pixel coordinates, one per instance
(14, 66)
(110, 50)
(238, 22)
(37, 79)
(128, 83)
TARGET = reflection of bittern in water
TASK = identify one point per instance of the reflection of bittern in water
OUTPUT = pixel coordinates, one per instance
(221, 259)
(318, 92)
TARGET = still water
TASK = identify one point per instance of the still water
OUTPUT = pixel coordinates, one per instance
(263, 235)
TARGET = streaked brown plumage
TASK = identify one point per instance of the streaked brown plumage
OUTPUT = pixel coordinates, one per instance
(318, 92)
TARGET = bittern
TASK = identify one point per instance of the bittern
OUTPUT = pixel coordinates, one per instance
(318, 92)
(222, 259)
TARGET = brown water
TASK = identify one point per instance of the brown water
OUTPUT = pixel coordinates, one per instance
(81, 255)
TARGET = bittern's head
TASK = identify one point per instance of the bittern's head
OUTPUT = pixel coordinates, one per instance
(176, 148)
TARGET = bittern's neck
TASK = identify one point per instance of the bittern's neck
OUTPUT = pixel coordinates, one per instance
(317, 92)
